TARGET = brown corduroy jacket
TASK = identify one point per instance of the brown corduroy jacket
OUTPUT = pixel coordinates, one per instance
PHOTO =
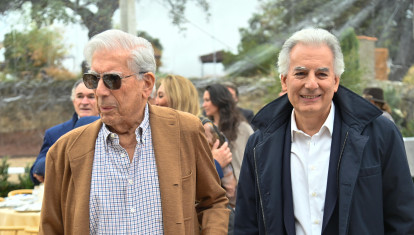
(185, 169)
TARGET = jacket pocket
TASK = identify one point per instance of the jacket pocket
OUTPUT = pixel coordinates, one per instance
(369, 171)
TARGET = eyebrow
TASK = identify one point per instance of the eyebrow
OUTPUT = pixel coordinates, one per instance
(323, 69)
(301, 68)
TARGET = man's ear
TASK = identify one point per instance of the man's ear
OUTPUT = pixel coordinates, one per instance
(337, 79)
(149, 83)
(283, 82)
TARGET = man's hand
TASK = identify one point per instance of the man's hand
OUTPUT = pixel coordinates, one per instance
(39, 178)
(222, 154)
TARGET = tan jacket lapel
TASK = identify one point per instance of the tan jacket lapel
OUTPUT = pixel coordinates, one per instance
(81, 161)
(167, 153)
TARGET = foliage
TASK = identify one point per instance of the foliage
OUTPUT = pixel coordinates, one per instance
(4, 176)
(31, 54)
(24, 179)
(96, 15)
(400, 108)
(156, 44)
(351, 78)
(409, 77)
(5, 186)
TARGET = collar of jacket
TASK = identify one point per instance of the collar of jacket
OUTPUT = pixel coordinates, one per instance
(355, 111)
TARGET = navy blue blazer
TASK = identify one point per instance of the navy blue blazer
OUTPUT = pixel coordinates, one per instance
(51, 136)
(369, 188)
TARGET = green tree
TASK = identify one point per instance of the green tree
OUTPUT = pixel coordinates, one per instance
(351, 78)
(32, 54)
(96, 15)
(156, 44)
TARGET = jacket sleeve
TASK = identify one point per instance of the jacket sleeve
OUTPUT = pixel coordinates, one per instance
(247, 197)
(51, 216)
(398, 189)
(39, 165)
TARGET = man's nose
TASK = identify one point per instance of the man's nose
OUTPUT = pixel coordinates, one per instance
(101, 89)
(85, 100)
(311, 82)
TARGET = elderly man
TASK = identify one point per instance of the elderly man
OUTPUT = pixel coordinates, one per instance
(86, 111)
(324, 160)
(140, 169)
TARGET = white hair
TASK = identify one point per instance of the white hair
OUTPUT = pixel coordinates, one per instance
(311, 36)
(73, 94)
(141, 51)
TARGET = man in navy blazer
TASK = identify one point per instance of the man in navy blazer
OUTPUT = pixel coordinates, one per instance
(86, 111)
(323, 160)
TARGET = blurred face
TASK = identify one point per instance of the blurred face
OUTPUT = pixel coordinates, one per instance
(311, 81)
(161, 99)
(208, 106)
(124, 106)
(85, 102)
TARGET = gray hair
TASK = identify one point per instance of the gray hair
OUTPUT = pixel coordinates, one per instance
(141, 52)
(73, 94)
(311, 36)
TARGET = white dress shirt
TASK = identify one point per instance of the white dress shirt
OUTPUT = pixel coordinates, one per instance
(309, 174)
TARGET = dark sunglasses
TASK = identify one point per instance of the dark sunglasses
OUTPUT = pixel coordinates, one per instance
(111, 80)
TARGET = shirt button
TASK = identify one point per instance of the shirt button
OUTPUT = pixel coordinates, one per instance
(122, 155)
(314, 194)
(113, 136)
(133, 210)
(312, 168)
(130, 182)
(316, 222)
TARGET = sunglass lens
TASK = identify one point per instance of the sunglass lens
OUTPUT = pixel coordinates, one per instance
(90, 80)
(112, 81)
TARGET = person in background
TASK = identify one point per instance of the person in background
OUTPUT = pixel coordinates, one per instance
(140, 168)
(84, 103)
(323, 160)
(179, 93)
(234, 91)
(220, 107)
(375, 95)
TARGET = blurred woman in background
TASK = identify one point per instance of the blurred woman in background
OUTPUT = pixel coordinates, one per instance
(220, 107)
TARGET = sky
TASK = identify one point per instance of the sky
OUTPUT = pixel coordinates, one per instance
(181, 48)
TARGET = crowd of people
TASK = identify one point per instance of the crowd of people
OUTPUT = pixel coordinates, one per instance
(147, 156)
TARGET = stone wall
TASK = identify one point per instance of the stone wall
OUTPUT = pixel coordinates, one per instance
(367, 57)
(27, 109)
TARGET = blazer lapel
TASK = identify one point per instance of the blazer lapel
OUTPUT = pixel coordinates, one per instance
(332, 184)
(288, 213)
(166, 143)
(349, 166)
(81, 155)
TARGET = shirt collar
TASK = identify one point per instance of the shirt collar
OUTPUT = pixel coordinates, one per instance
(141, 130)
(328, 124)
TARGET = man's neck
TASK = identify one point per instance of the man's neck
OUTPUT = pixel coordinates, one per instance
(310, 125)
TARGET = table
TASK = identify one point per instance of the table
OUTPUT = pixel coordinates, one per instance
(9, 217)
